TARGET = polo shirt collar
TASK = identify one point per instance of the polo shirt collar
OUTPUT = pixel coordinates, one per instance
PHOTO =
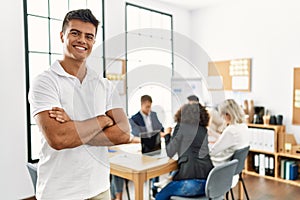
(58, 69)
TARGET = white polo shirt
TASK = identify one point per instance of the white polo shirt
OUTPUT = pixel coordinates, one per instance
(81, 172)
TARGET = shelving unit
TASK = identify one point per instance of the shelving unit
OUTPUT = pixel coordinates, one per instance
(278, 154)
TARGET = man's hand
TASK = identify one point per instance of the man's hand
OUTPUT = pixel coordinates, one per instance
(166, 132)
(59, 115)
(105, 121)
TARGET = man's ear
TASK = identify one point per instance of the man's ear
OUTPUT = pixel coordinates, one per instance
(62, 37)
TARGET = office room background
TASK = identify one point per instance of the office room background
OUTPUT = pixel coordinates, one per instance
(267, 31)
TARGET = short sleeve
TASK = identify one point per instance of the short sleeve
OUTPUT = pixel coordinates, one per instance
(113, 99)
(43, 94)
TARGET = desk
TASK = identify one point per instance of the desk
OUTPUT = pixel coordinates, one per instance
(138, 168)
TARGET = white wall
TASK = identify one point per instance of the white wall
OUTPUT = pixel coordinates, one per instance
(15, 182)
(268, 32)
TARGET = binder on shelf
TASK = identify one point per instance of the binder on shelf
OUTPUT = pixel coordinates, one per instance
(287, 169)
(282, 168)
(256, 163)
(270, 140)
(294, 171)
(262, 164)
(267, 168)
(271, 166)
(262, 139)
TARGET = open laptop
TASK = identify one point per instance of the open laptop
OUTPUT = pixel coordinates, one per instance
(151, 143)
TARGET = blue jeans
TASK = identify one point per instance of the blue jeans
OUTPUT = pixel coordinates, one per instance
(116, 186)
(184, 188)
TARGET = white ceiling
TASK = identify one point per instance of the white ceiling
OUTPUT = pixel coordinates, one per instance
(192, 4)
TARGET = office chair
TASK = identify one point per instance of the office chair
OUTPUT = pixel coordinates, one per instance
(218, 182)
(32, 169)
(240, 155)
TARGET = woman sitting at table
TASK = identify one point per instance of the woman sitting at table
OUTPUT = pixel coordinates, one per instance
(235, 136)
(190, 142)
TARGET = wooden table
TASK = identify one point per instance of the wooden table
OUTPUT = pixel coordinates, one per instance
(132, 165)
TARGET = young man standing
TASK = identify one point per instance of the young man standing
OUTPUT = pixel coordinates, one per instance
(73, 159)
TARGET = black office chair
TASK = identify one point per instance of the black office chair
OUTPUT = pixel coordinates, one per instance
(218, 182)
(32, 169)
(240, 155)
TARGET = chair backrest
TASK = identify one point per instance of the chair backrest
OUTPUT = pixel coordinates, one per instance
(32, 168)
(240, 155)
(219, 179)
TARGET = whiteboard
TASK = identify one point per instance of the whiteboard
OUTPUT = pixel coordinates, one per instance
(182, 88)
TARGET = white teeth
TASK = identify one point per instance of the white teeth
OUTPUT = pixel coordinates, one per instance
(81, 48)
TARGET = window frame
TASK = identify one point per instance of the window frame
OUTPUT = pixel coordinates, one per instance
(126, 42)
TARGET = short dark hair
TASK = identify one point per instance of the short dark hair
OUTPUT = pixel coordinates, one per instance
(145, 98)
(193, 98)
(84, 15)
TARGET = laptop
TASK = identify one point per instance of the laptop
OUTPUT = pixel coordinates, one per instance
(151, 143)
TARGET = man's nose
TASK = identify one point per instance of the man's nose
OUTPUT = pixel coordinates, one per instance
(81, 38)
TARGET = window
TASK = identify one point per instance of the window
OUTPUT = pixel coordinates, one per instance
(42, 22)
(149, 56)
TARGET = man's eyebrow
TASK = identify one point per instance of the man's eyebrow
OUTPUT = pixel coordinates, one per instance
(73, 29)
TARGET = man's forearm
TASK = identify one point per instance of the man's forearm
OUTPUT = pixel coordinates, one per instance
(111, 136)
(72, 133)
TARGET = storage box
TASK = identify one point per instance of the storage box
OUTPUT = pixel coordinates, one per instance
(296, 149)
(281, 142)
(290, 141)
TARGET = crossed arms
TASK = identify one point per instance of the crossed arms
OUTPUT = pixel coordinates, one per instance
(61, 132)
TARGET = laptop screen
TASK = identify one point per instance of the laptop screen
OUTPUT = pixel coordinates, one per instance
(150, 141)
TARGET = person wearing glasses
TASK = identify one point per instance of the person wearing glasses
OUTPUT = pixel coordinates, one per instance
(73, 161)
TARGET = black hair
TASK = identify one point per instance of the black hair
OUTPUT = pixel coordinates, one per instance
(84, 15)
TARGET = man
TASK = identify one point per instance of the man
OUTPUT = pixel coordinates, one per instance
(143, 121)
(146, 121)
(73, 159)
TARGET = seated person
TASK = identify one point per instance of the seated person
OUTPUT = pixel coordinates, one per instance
(235, 135)
(143, 121)
(190, 142)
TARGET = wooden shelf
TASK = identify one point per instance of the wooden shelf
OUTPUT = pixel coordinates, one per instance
(249, 167)
(264, 152)
(252, 173)
(287, 155)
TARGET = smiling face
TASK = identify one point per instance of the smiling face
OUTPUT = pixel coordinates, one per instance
(78, 40)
